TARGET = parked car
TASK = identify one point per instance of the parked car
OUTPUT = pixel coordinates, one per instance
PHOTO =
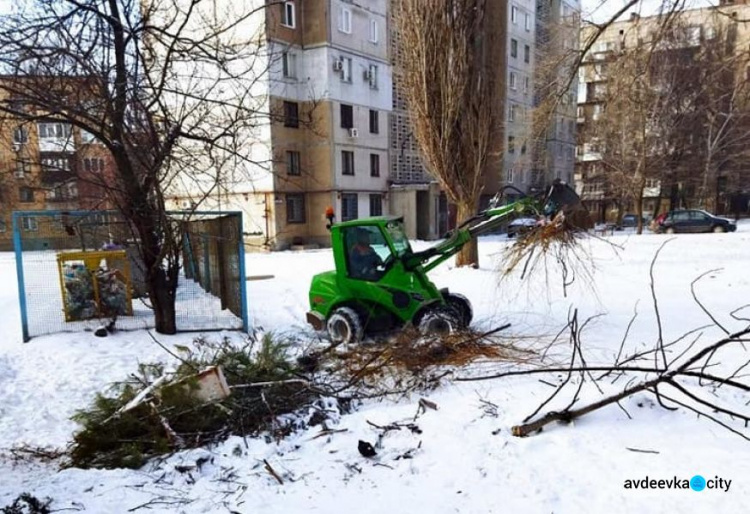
(631, 221)
(520, 226)
(694, 221)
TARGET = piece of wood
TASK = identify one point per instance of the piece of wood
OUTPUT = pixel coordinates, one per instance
(259, 277)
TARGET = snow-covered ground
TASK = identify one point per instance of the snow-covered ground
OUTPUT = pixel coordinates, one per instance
(464, 459)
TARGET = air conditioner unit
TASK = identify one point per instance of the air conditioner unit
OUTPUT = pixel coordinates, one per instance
(186, 204)
(17, 147)
(367, 75)
(338, 65)
(353, 132)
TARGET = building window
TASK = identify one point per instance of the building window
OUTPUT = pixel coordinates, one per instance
(509, 175)
(347, 162)
(526, 82)
(345, 20)
(523, 149)
(526, 53)
(528, 22)
(512, 108)
(87, 137)
(288, 18)
(55, 164)
(373, 31)
(93, 164)
(3, 226)
(54, 130)
(372, 76)
(291, 114)
(349, 207)
(293, 163)
(289, 65)
(376, 205)
(513, 80)
(295, 208)
(29, 224)
(347, 116)
(374, 122)
(514, 15)
(511, 144)
(22, 168)
(513, 48)
(25, 194)
(20, 136)
(346, 69)
(374, 165)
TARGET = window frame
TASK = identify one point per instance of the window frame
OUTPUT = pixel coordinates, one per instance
(21, 191)
(290, 198)
(293, 163)
(379, 198)
(374, 31)
(513, 80)
(289, 65)
(285, 22)
(527, 54)
(345, 20)
(347, 163)
(374, 165)
(344, 198)
(374, 121)
(291, 120)
(346, 108)
(514, 48)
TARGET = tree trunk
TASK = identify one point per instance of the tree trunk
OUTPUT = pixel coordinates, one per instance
(639, 210)
(162, 292)
(469, 254)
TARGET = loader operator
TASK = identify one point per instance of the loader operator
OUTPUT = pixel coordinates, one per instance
(363, 258)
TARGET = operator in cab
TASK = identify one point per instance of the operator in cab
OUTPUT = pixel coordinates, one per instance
(363, 258)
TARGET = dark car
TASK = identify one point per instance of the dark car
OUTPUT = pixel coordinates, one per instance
(631, 220)
(521, 226)
(694, 221)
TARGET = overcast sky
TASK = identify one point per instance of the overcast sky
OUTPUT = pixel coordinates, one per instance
(601, 10)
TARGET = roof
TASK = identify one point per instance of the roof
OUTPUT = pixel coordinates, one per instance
(374, 220)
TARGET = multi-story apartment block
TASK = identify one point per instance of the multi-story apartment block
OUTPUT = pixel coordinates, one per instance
(517, 160)
(327, 83)
(557, 32)
(592, 177)
(46, 164)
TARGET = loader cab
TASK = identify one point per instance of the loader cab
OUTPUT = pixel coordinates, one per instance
(366, 249)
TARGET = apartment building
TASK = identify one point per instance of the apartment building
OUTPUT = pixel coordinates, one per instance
(517, 155)
(592, 176)
(556, 41)
(46, 165)
(326, 78)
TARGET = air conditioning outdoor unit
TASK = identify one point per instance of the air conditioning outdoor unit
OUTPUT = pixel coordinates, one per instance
(353, 132)
(367, 75)
(338, 65)
(17, 147)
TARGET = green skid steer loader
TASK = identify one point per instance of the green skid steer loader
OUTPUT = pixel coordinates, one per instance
(380, 284)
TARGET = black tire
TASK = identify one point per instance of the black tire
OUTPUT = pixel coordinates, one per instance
(344, 326)
(441, 319)
(462, 306)
(719, 229)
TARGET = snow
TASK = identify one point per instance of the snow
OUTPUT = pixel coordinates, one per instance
(464, 459)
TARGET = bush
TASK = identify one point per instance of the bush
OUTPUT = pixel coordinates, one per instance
(174, 418)
(28, 504)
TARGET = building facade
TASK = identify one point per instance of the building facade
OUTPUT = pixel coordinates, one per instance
(327, 81)
(673, 185)
(46, 164)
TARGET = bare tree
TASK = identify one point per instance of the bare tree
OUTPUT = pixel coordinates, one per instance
(166, 86)
(452, 78)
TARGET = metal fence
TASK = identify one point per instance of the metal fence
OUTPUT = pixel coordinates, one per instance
(79, 269)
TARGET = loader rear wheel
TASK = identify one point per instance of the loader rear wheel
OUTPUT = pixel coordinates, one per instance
(462, 306)
(344, 326)
(440, 320)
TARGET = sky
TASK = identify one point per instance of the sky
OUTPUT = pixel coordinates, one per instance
(602, 10)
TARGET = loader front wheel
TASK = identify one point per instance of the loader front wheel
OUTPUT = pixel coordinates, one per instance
(440, 320)
(344, 326)
(462, 306)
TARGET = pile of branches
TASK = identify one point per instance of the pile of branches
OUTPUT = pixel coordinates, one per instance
(686, 372)
(264, 386)
(412, 362)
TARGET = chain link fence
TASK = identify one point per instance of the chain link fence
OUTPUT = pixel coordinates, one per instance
(78, 270)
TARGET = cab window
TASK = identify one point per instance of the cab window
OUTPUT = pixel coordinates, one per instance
(366, 252)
